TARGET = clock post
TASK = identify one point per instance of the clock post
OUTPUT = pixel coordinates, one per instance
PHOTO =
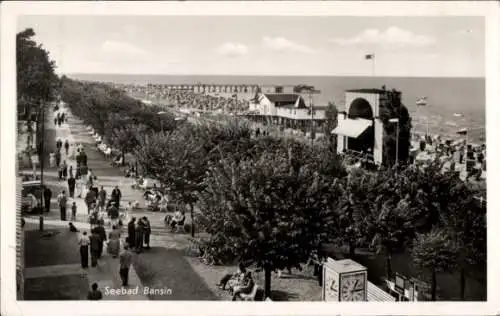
(344, 281)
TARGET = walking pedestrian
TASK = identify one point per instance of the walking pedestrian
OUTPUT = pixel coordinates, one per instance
(95, 242)
(131, 232)
(62, 200)
(65, 170)
(94, 294)
(139, 236)
(102, 198)
(116, 195)
(73, 212)
(52, 160)
(89, 199)
(114, 242)
(113, 214)
(79, 186)
(102, 235)
(66, 146)
(147, 231)
(90, 178)
(125, 262)
(84, 250)
(70, 173)
(47, 196)
(55, 121)
(71, 186)
(58, 158)
(60, 171)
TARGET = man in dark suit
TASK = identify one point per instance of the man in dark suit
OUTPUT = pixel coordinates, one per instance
(71, 186)
(102, 235)
(47, 196)
(95, 242)
(131, 232)
(116, 196)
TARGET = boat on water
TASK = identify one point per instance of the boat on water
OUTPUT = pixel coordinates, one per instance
(422, 101)
(458, 115)
(462, 131)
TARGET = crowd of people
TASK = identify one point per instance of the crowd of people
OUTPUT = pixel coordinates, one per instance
(94, 244)
(451, 153)
(191, 99)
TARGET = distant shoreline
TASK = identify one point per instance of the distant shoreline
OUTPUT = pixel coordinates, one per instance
(271, 75)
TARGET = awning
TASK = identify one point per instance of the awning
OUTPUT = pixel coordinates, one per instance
(352, 127)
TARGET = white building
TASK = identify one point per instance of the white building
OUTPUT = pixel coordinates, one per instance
(287, 109)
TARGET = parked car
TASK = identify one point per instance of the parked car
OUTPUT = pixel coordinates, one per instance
(31, 195)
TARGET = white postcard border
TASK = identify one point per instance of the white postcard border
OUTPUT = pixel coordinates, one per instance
(9, 13)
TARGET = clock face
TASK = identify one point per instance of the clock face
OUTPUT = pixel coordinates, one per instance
(331, 286)
(353, 287)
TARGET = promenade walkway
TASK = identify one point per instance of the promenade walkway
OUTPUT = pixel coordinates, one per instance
(148, 267)
(105, 274)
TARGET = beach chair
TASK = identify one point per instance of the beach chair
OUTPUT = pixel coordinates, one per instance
(102, 147)
(251, 295)
(144, 184)
(107, 152)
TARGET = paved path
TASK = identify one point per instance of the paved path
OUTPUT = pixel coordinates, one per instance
(107, 271)
(106, 274)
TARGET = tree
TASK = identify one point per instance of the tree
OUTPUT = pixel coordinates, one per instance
(331, 122)
(178, 161)
(126, 138)
(465, 221)
(267, 211)
(395, 109)
(436, 252)
(36, 78)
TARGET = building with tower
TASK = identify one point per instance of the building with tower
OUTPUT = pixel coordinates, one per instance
(374, 124)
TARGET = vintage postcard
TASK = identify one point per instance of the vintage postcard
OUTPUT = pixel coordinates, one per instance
(331, 155)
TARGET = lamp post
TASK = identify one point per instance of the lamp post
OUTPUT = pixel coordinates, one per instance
(396, 121)
(312, 91)
(41, 160)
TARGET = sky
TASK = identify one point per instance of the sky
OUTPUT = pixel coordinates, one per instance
(263, 45)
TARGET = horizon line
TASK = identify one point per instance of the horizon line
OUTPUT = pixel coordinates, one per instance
(268, 75)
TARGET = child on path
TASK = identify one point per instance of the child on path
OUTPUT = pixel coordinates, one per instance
(73, 212)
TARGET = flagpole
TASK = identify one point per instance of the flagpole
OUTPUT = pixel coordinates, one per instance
(373, 64)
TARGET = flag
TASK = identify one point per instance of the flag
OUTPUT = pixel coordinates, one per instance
(369, 56)
(462, 131)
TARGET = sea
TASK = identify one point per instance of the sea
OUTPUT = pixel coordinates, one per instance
(453, 103)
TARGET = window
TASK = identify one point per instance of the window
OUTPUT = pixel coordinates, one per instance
(278, 89)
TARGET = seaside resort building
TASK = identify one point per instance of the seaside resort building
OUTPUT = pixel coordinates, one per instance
(361, 130)
(287, 110)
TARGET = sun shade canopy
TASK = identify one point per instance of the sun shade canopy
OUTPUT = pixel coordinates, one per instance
(352, 127)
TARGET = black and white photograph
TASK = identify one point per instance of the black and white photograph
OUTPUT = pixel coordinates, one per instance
(248, 157)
